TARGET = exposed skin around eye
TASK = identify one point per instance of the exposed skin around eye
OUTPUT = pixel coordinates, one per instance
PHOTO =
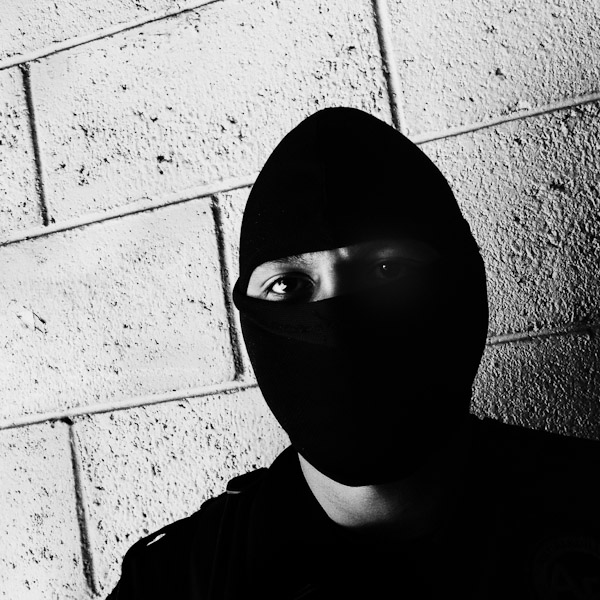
(319, 275)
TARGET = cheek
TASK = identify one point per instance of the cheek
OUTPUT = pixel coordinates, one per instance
(257, 280)
(253, 288)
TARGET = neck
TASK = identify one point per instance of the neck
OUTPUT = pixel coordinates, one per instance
(403, 509)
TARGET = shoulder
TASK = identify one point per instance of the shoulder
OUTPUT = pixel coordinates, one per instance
(539, 508)
(159, 565)
(200, 527)
(538, 481)
(537, 477)
(514, 441)
(171, 540)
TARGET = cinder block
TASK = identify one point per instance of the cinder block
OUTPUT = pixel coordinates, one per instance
(19, 203)
(529, 188)
(149, 466)
(468, 61)
(123, 308)
(40, 553)
(548, 383)
(197, 98)
(29, 25)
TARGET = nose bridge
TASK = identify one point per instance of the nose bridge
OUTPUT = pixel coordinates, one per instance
(329, 286)
(334, 274)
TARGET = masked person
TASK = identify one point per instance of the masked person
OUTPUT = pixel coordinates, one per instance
(363, 305)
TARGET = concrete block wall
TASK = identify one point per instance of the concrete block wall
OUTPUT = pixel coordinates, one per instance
(130, 135)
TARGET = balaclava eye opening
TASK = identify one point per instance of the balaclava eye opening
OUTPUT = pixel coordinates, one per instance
(370, 384)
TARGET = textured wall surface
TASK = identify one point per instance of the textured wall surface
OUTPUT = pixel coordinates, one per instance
(130, 134)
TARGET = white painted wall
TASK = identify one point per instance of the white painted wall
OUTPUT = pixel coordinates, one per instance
(130, 132)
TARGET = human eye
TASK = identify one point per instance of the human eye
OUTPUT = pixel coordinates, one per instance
(390, 269)
(289, 287)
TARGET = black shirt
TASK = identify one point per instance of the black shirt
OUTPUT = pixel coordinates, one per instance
(527, 526)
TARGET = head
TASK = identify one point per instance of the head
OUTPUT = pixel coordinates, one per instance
(362, 297)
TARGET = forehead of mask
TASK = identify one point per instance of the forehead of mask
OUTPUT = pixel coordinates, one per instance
(342, 177)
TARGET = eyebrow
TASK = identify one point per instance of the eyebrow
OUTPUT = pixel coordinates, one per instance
(293, 258)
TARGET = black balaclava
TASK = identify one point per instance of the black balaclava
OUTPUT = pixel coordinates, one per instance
(370, 384)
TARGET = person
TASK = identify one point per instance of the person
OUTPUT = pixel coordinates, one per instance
(363, 305)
